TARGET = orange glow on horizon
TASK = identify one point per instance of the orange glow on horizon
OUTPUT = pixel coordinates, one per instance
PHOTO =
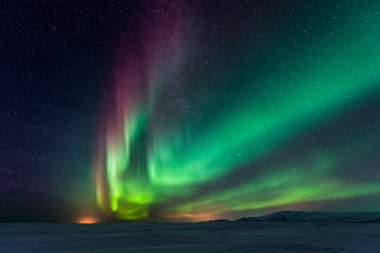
(87, 220)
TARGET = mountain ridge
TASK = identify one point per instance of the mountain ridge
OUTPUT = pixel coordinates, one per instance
(311, 216)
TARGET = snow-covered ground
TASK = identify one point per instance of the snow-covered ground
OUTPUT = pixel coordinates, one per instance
(258, 237)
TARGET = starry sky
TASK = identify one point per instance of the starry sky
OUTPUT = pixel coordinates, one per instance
(188, 110)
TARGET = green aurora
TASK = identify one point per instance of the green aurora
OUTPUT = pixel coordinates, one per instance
(268, 118)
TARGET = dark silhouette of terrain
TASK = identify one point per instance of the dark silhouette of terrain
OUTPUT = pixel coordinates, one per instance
(302, 216)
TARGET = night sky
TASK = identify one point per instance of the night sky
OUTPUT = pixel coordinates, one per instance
(188, 110)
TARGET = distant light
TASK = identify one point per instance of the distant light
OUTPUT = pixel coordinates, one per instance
(87, 220)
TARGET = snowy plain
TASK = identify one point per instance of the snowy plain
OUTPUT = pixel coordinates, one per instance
(260, 237)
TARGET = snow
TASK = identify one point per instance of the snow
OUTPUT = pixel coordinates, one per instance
(261, 237)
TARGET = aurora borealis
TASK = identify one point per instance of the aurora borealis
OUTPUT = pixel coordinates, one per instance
(212, 117)
(182, 110)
